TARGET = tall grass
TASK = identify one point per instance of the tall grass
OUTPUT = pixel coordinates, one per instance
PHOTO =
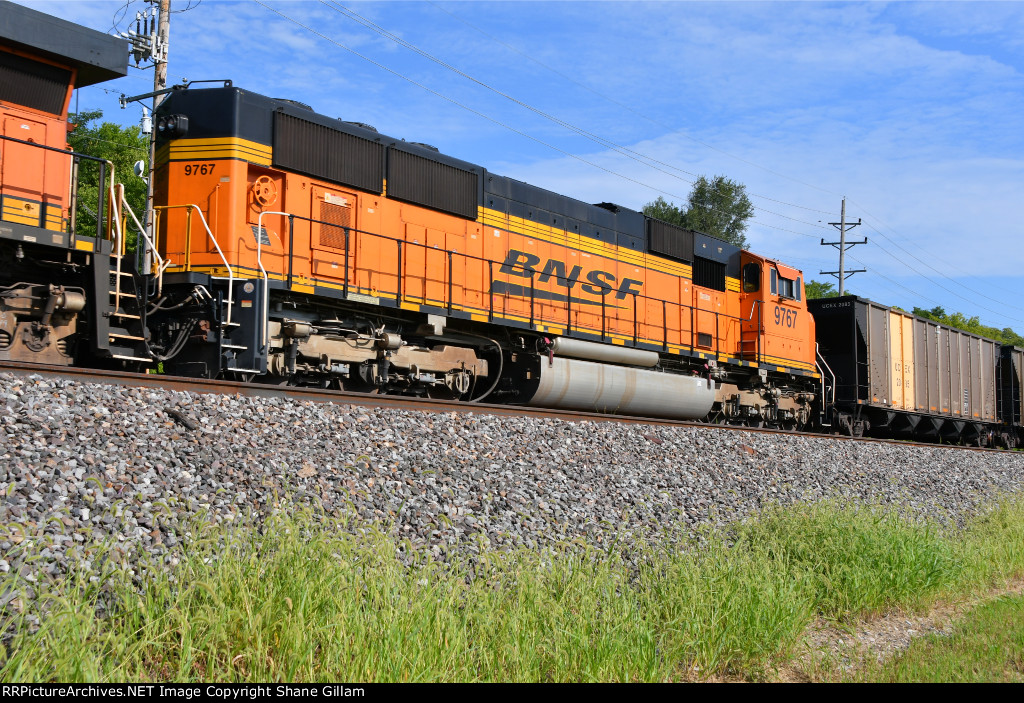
(857, 558)
(309, 599)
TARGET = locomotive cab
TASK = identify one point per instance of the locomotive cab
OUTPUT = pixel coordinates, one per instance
(775, 322)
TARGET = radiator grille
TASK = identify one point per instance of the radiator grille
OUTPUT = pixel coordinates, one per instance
(422, 181)
(708, 274)
(35, 85)
(669, 240)
(336, 219)
(324, 152)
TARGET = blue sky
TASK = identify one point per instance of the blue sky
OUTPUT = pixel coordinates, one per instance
(911, 110)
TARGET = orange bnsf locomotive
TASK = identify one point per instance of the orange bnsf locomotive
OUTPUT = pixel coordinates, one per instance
(290, 248)
(296, 248)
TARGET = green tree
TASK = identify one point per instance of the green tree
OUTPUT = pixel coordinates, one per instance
(817, 289)
(122, 146)
(719, 207)
(661, 209)
(1011, 337)
(959, 321)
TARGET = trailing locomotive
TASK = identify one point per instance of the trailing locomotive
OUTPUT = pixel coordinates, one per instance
(295, 249)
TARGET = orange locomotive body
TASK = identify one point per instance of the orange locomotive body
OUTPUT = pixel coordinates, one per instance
(348, 258)
(48, 267)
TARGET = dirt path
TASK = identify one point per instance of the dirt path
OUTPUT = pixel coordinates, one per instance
(827, 650)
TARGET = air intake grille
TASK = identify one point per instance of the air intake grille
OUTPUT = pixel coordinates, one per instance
(708, 274)
(35, 85)
(336, 219)
(330, 154)
(669, 240)
(422, 181)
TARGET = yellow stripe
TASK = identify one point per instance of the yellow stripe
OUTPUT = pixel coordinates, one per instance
(20, 219)
(780, 361)
(589, 245)
(234, 142)
(219, 148)
(84, 244)
(54, 218)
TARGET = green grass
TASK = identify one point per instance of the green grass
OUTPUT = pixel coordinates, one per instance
(312, 599)
(986, 646)
(857, 560)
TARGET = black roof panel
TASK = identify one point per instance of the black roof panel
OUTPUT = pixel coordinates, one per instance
(97, 56)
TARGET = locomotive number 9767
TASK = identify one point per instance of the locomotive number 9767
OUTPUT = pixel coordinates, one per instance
(784, 317)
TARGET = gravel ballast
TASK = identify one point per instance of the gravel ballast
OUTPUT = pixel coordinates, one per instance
(82, 461)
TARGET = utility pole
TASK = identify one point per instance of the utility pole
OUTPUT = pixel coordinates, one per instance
(159, 83)
(842, 245)
(149, 42)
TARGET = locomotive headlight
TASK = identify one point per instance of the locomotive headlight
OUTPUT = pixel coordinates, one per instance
(172, 126)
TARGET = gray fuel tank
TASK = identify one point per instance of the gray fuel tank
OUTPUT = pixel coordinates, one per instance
(584, 385)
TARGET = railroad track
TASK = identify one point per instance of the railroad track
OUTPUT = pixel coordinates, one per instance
(319, 395)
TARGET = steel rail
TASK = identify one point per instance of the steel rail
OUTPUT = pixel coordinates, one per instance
(319, 395)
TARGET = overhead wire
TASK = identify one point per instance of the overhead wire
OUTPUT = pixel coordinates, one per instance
(644, 159)
(636, 156)
(488, 117)
(915, 257)
(645, 117)
(642, 116)
(116, 21)
(936, 283)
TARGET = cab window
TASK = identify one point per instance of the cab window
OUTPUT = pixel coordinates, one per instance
(751, 278)
(786, 287)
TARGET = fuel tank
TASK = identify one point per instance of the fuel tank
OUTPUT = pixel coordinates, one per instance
(572, 384)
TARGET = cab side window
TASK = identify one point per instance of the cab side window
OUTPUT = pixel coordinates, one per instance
(786, 287)
(751, 278)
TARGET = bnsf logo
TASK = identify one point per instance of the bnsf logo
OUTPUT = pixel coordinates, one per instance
(519, 263)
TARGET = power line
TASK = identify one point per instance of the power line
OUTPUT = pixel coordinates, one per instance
(642, 116)
(487, 117)
(636, 156)
(597, 139)
(117, 144)
(924, 262)
(115, 21)
(936, 283)
(635, 112)
(190, 7)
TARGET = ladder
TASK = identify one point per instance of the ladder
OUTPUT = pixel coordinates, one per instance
(238, 329)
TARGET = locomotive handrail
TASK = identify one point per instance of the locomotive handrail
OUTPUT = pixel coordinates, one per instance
(832, 387)
(227, 266)
(161, 263)
(266, 278)
(102, 185)
(400, 243)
